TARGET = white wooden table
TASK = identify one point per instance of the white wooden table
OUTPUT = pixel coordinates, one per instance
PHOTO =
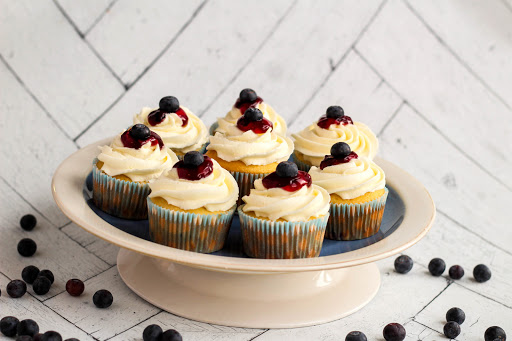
(432, 78)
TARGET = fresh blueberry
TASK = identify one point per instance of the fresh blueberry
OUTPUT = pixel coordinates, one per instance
(75, 287)
(253, 114)
(28, 222)
(456, 272)
(171, 335)
(455, 315)
(16, 288)
(495, 333)
(38, 337)
(48, 274)
(169, 104)
(287, 169)
(248, 96)
(394, 332)
(481, 273)
(9, 325)
(436, 267)
(30, 273)
(103, 299)
(51, 336)
(403, 264)
(41, 285)
(335, 111)
(152, 332)
(340, 150)
(355, 336)
(140, 132)
(451, 330)
(28, 327)
(24, 338)
(27, 247)
(193, 159)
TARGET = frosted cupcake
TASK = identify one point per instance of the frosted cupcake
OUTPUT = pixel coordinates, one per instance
(315, 141)
(249, 99)
(192, 204)
(249, 149)
(124, 168)
(179, 128)
(357, 187)
(284, 216)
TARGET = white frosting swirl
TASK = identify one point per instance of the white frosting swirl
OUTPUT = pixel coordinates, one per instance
(175, 136)
(217, 192)
(142, 165)
(277, 203)
(350, 180)
(315, 142)
(268, 112)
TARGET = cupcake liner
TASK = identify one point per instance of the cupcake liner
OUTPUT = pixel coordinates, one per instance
(246, 182)
(204, 233)
(120, 198)
(301, 164)
(213, 127)
(356, 221)
(282, 239)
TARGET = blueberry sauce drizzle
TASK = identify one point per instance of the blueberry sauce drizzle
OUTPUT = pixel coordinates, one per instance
(246, 105)
(325, 122)
(290, 184)
(258, 127)
(194, 173)
(130, 142)
(157, 116)
(330, 160)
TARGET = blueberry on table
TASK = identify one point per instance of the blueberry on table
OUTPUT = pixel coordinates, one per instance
(140, 132)
(451, 329)
(253, 114)
(403, 264)
(456, 315)
(152, 332)
(38, 337)
(355, 336)
(169, 104)
(481, 273)
(103, 299)
(28, 327)
(27, 247)
(287, 169)
(193, 159)
(16, 288)
(9, 325)
(24, 338)
(75, 287)
(48, 274)
(28, 222)
(335, 111)
(51, 336)
(436, 267)
(456, 272)
(495, 333)
(30, 273)
(248, 95)
(41, 285)
(340, 150)
(171, 335)
(394, 332)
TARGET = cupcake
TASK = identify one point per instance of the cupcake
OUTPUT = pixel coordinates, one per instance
(315, 141)
(249, 99)
(249, 149)
(284, 216)
(123, 170)
(358, 193)
(192, 204)
(179, 128)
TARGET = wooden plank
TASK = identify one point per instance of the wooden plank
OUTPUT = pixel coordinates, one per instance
(298, 57)
(428, 76)
(84, 13)
(151, 27)
(55, 63)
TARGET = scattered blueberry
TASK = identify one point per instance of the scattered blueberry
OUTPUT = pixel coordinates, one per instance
(28, 327)
(38, 337)
(355, 336)
(140, 132)
(248, 96)
(481, 273)
(103, 299)
(48, 274)
(28, 222)
(451, 329)
(335, 111)
(27, 247)
(51, 336)
(30, 273)
(455, 315)
(75, 287)
(193, 159)
(340, 149)
(403, 264)
(436, 267)
(394, 332)
(152, 332)
(456, 272)
(287, 169)
(9, 325)
(24, 338)
(41, 285)
(253, 114)
(16, 288)
(495, 333)
(171, 335)
(169, 104)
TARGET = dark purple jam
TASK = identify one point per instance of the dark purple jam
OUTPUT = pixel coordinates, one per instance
(325, 122)
(243, 106)
(258, 127)
(157, 116)
(130, 142)
(330, 160)
(290, 184)
(194, 173)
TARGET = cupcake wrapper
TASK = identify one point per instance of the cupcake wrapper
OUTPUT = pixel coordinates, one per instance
(213, 127)
(282, 239)
(204, 233)
(356, 221)
(120, 198)
(246, 182)
(300, 164)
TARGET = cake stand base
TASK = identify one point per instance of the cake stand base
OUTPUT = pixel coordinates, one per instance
(249, 299)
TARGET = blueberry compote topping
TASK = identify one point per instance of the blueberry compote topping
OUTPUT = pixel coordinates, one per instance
(194, 166)
(340, 153)
(288, 177)
(139, 135)
(253, 120)
(334, 115)
(247, 99)
(167, 105)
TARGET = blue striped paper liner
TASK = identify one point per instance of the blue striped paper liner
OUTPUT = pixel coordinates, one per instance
(246, 182)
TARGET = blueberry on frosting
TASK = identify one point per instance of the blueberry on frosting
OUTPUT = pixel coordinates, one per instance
(340, 150)
(335, 111)
(169, 104)
(193, 159)
(287, 169)
(140, 132)
(248, 95)
(253, 114)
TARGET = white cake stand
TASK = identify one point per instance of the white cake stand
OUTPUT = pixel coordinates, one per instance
(243, 292)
